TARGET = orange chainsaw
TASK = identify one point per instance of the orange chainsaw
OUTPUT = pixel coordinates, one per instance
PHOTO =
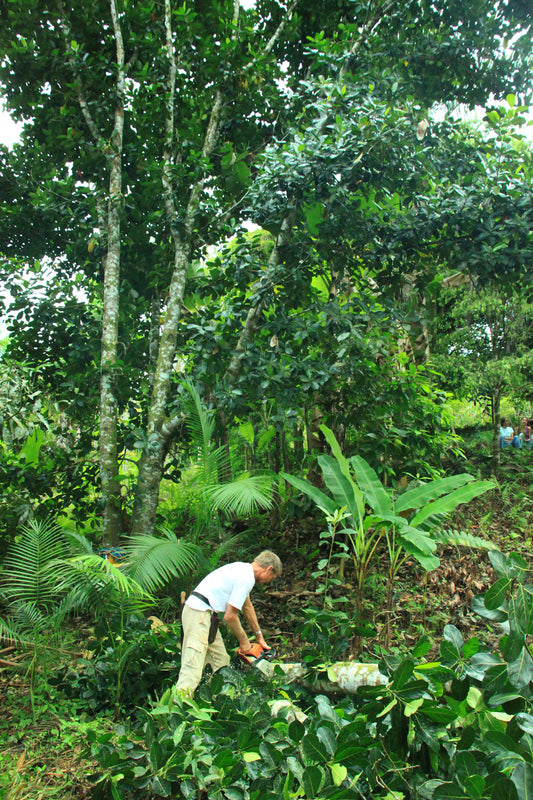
(257, 653)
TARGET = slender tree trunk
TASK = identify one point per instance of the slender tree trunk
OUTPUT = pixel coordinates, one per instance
(110, 219)
(496, 431)
(159, 428)
(109, 480)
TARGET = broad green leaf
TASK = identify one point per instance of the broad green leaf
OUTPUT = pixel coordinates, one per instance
(479, 607)
(336, 450)
(449, 791)
(522, 777)
(322, 500)
(313, 779)
(441, 714)
(314, 215)
(419, 539)
(525, 722)
(313, 749)
(443, 505)
(502, 750)
(327, 737)
(501, 787)
(495, 596)
(474, 786)
(338, 773)
(414, 499)
(296, 768)
(422, 647)
(250, 757)
(429, 562)
(521, 609)
(242, 172)
(453, 635)
(375, 494)
(471, 647)
(520, 671)
(156, 756)
(246, 430)
(403, 673)
(465, 765)
(32, 447)
(161, 787)
(512, 565)
(343, 489)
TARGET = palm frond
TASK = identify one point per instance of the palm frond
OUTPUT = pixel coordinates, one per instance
(27, 573)
(29, 618)
(9, 631)
(78, 542)
(94, 583)
(242, 497)
(153, 561)
(200, 423)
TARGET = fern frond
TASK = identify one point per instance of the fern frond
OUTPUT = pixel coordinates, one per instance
(200, 423)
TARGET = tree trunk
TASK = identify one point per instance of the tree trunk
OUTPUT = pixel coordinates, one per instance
(496, 432)
(159, 429)
(109, 472)
(343, 677)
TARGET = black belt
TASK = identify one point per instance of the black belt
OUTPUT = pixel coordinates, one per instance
(202, 598)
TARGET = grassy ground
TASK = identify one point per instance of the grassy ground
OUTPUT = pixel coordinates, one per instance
(42, 734)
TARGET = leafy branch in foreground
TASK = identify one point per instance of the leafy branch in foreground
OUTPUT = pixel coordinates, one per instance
(459, 726)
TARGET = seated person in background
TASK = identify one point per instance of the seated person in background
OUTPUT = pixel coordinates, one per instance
(526, 431)
(508, 438)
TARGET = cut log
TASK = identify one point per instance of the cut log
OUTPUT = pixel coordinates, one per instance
(343, 677)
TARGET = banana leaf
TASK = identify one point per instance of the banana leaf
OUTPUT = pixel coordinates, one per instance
(443, 505)
(342, 487)
(375, 493)
(418, 497)
(320, 498)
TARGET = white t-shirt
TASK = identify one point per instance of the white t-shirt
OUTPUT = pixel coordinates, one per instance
(230, 584)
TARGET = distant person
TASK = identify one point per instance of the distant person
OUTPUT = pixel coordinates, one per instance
(508, 438)
(224, 592)
(526, 431)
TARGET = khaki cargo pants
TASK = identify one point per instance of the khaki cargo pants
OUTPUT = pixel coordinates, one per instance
(196, 651)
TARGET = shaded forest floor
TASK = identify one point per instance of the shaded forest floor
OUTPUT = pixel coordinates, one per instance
(42, 750)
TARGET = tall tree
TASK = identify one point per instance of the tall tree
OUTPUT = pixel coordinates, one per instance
(155, 130)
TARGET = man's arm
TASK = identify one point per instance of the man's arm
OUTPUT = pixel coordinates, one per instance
(231, 618)
(250, 616)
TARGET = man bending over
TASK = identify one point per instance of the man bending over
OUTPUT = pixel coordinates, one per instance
(224, 591)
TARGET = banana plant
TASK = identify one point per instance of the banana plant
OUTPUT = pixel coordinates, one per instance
(411, 523)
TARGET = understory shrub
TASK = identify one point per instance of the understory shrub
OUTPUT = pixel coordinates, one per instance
(125, 669)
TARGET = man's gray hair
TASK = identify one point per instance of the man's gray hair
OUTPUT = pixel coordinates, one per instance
(269, 559)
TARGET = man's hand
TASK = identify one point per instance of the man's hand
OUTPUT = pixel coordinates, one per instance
(254, 651)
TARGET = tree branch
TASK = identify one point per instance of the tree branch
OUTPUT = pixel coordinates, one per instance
(82, 101)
